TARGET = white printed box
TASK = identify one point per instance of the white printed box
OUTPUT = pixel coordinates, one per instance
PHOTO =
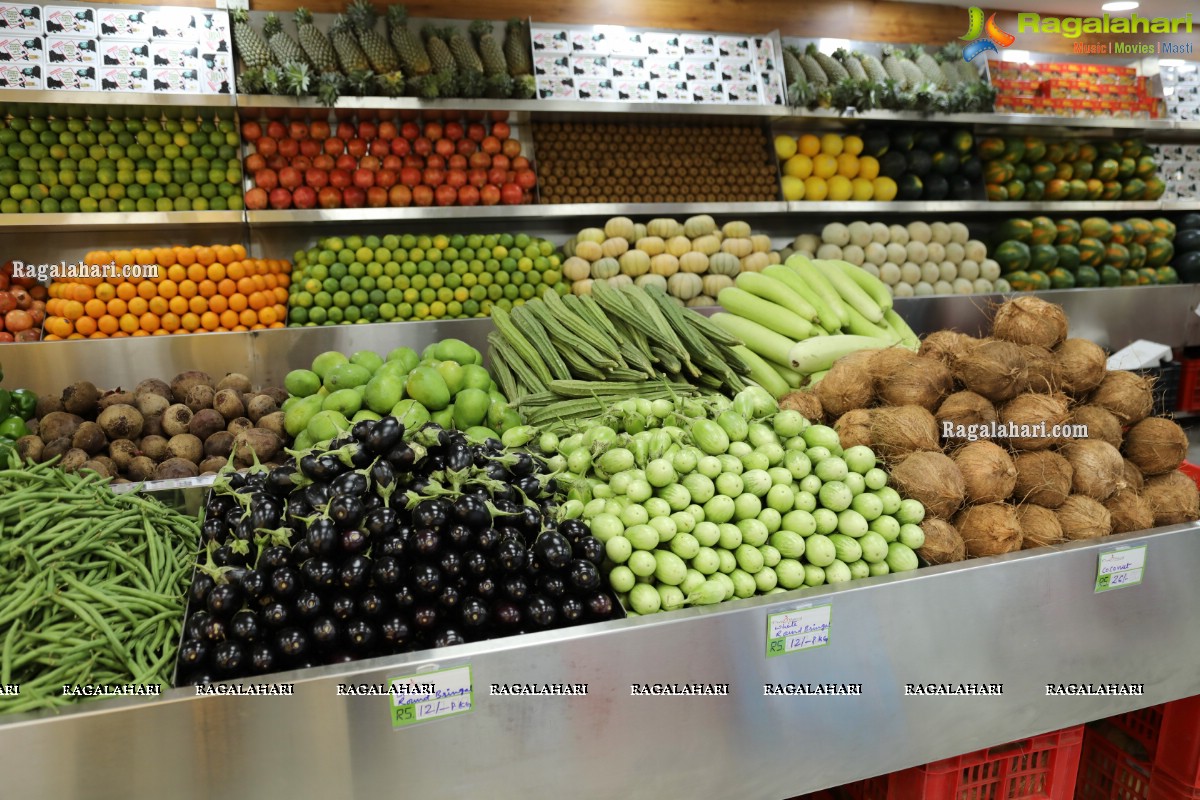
(169, 54)
(20, 17)
(72, 77)
(29, 49)
(634, 91)
(124, 23)
(706, 91)
(742, 92)
(698, 44)
(591, 67)
(738, 70)
(632, 44)
(116, 53)
(662, 44)
(175, 81)
(20, 76)
(216, 62)
(664, 69)
(734, 47)
(125, 79)
(550, 40)
(595, 89)
(70, 20)
(764, 53)
(700, 69)
(174, 23)
(72, 50)
(556, 65)
(217, 81)
(671, 92)
(556, 88)
(585, 41)
(629, 68)
(214, 31)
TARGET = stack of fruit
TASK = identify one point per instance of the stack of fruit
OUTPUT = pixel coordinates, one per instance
(692, 262)
(74, 164)
(1187, 248)
(910, 80)
(1030, 168)
(584, 162)
(1039, 253)
(306, 164)
(17, 407)
(22, 307)
(195, 289)
(408, 277)
(352, 57)
(922, 258)
(878, 165)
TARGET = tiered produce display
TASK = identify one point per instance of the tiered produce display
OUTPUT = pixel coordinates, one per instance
(80, 164)
(22, 307)
(194, 289)
(1187, 248)
(1032, 168)
(17, 408)
(905, 164)
(375, 163)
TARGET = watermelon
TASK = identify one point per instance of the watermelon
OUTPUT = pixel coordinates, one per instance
(936, 187)
(1015, 189)
(1187, 240)
(1087, 277)
(1154, 188)
(1189, 222)
(1079, 190)
(1057, 189)
(1016, 228)
(1055, 152)
(1095, 189)
(928, 140)
(945, 162)
(1043, 257)
(1108, 148)
(1043, 230)
(1039, 279)
(998, 172)
(1070, 150)
(1035, 190)
(971, 168)
(1145, 167)
(1112, 191)
(1061, 279)
(1091, 252)
(1188, 267)
(1012, 256)
(1082, 169)
(1068, 256)
(1147, 276)
(1137, 255)
(1159, 252)
(1022, 172)
(1129, 277)
(1132, 148)
(1097, 228)
(910, 188)
(1065, 171)
(1163, 228)
(1014, 149)
(991, 148)
(1069, 232)
(875, 143)
(962, 141)
(1035, 149)
(902, 139)
(1106, 170)
(1122, 232)
(1117, 255)
(1020, 281)
(1143, 230)
(1109, 275)
(1167, 275)
(1043, 171)
(1126, 168)
(1134, 189)
(1087, 152)
(961, 188)
(996, 193)
(919, 162)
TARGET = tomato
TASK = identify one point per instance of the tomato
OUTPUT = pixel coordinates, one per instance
(422, 196)
(276, 129)
(501, 130)
(251, 131)
(446, 195)
(511, 194)
(399, 196)
(297, 131)
(526, 178)
(267, 146)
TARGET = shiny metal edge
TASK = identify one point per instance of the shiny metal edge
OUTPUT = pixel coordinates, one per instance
(343, 216)
(14, 97)
(117, 220)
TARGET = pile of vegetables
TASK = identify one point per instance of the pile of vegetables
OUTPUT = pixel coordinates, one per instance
(17, 407)
(698, 501)
(94, 585)
(796, 319)
(988, 497)
(385, 540)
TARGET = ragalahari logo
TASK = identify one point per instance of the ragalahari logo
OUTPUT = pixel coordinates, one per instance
(993, 41)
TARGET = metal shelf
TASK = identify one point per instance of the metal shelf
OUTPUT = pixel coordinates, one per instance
(45, 223)
(971, 207)
(15, 98)
(1024, 620)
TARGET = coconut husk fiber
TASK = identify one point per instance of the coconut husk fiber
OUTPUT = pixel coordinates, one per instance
(1156, 446)
(854, 428)
(1173, 498)
(989, 474)
(1097, 469)
(1039, 370)
(1126, 394)
(947, 346)
(943, 544)
(899, 430)
(806, 402)
(848, 385)
(991, 529)
(1043, 477)
(1101, 424)
(1030, 320)
(1129, 511)
(964, 409)
(932, 479)
(1079, 366)
(1039, 526)
(904, 378)
(993, 368)
(1038, 414)
(1083, 518)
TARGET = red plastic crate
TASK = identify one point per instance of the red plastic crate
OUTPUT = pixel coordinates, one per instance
(1106, 772)
(1144, 725)
(1189, 385)
(1191, 470)
(1164, 787)
(1037, 768)
(1179, 742)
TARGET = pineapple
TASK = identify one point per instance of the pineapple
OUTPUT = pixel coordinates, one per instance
(516, 48)
(316, 46)
(391, 84)
(296, 78)
(490, 51)
(362, 17)
(852, 65)
(524, 87)
(951, 54)
(413, 56)
(812, 70)
(251, 45)
(424, 87)
(464, 54)
(250, 82)
(272, 79)
(330, 87)
(791, 67)
(282, 45)
(440, 57)
(362, 82)
(350, 55)
(875, 70)
(928, 66)
(470, 84)
(891, 63)
(830, 66)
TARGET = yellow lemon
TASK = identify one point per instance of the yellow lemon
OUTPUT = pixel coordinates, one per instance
(885, 189)
(815, 188)
(852, 145)
(793, 188)
(868, 168)
(832, 144)
(863, 189)
(785, 147)
(825, 166)
(840, 188)
(798, 166)
(847, 165)
(809, 145)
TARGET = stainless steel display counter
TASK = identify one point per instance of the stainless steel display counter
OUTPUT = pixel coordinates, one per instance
(1024, 621)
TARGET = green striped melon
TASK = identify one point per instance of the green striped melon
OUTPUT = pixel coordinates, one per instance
(1012, 256)
(1087, 277)
(1137, 255)
(1164, 228)
(1061, 279)
(1117, 255)
(1042, 230)
(1097, 228)
(1159, 253)
(1043, 257)
(1020, 230)
(1122, 233)
(1109, 275)
(1068, 256)
(1069, 232)
(1091, 251)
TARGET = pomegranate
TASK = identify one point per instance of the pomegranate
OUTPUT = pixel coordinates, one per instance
(329, 197)
(354, 197)
(280, 198)
(400, 196)
(256, 199)
(305, 197)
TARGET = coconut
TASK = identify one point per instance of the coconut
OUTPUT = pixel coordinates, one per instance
(848, 385)
(1030, 320)
(1097, 470)
(1133, 476)
(1035, 416)
(1129, 512)
(1156, 445)
(947, 346)
(807, 403)
(1039, 526)
(1079, 365)
(1043, 477)
(1126, 394)
(1173, 498)
(1039, 369)
(994, 368)
(900, 430)
(964, 409)
(1101, 424)
(989, 530)
(854, 428)
(988, 472)
(904, 378)
(933, 479)
(943, 544)
(1083, 518)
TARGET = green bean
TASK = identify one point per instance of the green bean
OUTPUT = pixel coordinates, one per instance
(6, 654)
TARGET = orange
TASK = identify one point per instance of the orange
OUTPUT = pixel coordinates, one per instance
(160, 332)
(260, 283)
(236, 270)
(84, 293)
(108, 324)
(99, 335)
(218, 303)
(73, 309)
(125, 291)
(177, 272)
(144, 257)
(258, 327)
(165, 256)
(106, 292)
(168, 289)
(281, 294)
(240, 328)
(148, 322)
(188, 289)
(59, 327)
(248, 317)
(209, 321)
(205, 255)
(50, 337)
(238, 302)
(207, 288)
(97, 257)
(229, 319)
(239, 252)
(158, 305)
(216, 271)
(278, 325)
(123, 258)
(270, 281)
(178, 305)
(95, 308)
(197, 273)
(227, 287)
(117, 307)
(140, 332)
(146, 290)
(284, 279)
(129, 323)
(808, 145)
(245, 286)
(185, 256)
(224, 253)
(258, 300)
(76, 336)
(170, 322)
(139, 306)
(85, 326)
(197, 305)
(267, 315)
(189, 321)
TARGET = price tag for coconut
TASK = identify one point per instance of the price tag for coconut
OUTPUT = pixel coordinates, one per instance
(802, 629)
(431, 695)
(1120, 568)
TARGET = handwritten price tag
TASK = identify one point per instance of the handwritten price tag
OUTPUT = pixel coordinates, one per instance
(431, 695)
(802, 629)
(1120, 568)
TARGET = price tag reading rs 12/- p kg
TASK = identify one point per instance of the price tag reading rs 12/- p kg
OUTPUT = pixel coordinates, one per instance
(1120, 568)
(431, 695)
(802, 629)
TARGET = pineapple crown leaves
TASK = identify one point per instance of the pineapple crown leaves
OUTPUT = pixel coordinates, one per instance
(272, 25)
(302, 17)
(812, 49)
(397, 16)
(272, 79)
(480, 28)
(392, 84)
(524, 87)
(297, 78)
(914, 52)
(431, 31)
(250, 81)
(470, 84)
(515, 22)
(801, 93)
(841, 54)
(362, 82)
(241, 15)
(499, 86)
(361, 14)
(424, 86)
(330, 88)
(447, 83)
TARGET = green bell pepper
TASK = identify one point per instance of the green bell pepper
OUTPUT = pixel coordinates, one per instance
(5, 402)
(13, 427)
(24, 403)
